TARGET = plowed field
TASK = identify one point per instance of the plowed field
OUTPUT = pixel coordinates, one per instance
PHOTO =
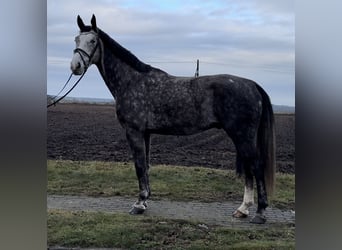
(92, 132)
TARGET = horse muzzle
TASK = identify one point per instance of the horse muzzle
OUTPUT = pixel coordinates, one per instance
(77, 68)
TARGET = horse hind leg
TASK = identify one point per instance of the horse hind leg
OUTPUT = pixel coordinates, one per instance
(260, 217)
(248, 197)
(248, 163)
(253, 168)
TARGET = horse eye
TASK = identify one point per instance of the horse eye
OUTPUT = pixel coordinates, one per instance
(92, 41)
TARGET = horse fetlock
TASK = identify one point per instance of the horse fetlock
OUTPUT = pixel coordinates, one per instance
(249, 204)
(144, 194)
(262, 205)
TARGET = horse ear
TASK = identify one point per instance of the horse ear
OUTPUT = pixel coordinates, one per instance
(80, 23)
(93, 23)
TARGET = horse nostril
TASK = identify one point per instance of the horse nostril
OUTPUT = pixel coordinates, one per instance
(78, 65)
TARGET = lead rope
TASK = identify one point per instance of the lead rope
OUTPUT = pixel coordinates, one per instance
(54, 98)
(59, 99)
(79, 51)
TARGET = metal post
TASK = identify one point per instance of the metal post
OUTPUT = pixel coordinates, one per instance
(197, 69)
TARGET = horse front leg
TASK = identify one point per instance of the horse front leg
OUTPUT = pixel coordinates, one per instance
(136, 140)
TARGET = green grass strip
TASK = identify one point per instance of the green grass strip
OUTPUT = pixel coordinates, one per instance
(85, 229)
(167, 182)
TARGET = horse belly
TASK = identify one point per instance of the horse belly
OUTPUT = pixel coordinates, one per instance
(178, 129)
(182, 119)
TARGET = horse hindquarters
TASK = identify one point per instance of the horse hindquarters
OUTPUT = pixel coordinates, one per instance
(245, 113)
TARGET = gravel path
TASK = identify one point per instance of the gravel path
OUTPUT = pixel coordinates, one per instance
(214, 213)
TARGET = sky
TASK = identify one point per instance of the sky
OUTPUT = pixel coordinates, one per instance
(254, 39)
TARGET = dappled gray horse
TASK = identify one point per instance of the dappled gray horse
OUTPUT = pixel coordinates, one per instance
(148, 101)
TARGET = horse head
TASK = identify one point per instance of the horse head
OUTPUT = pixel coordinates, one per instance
(88, 47)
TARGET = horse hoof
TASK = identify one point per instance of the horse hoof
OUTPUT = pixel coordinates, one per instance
(238, 214)
(258, 219)
(138, 208)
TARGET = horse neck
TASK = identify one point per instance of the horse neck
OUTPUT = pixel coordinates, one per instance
(116, 74)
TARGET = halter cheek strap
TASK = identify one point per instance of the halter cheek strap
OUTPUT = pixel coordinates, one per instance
(80, 52)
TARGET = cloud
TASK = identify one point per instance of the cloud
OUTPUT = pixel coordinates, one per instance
(243, 36)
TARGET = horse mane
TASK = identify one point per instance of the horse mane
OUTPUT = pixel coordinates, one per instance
(123, 54)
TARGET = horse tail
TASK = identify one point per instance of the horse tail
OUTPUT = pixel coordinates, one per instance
(266, 141)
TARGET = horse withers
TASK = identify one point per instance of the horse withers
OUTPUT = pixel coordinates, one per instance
(150, 101)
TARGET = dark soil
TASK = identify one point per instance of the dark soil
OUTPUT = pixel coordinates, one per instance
(91, 132)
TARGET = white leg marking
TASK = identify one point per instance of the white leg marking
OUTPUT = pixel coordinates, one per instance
(248, 200)
(140, 204)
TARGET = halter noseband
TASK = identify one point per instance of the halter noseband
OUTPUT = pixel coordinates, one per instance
(82, 52)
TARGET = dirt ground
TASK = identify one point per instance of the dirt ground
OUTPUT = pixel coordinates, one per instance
(91, 132)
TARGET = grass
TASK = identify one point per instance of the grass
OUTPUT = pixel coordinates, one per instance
(169, 182)
(89, 229)
(85, 229)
